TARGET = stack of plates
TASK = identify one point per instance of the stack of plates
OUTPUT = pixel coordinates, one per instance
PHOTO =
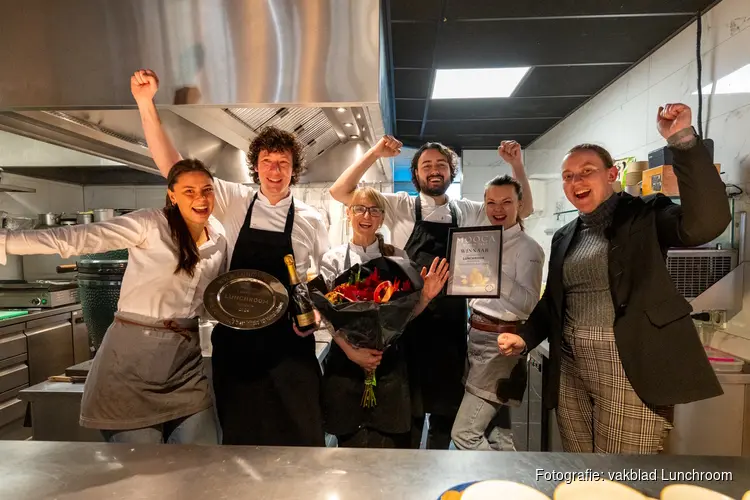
(577, 490)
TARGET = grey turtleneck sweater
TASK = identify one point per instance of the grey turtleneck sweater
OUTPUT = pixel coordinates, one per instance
(588, 301)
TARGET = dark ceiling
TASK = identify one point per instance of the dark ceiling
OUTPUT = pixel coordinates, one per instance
(575, 49)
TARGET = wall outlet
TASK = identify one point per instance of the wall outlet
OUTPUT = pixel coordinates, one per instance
(719, 319)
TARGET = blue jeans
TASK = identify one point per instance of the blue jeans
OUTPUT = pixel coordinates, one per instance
(198, 428)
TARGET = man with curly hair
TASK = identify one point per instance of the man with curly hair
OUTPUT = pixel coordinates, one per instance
(437, 339)
(266, 382)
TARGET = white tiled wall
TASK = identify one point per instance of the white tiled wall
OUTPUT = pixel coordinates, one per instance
(622, 117)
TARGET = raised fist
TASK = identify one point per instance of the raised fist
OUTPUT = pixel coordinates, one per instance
(672, 118)
(143, 84)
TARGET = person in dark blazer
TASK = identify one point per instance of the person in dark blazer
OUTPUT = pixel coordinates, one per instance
(623, 347)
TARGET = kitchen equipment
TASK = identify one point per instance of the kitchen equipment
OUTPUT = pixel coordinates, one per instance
(12, 314)
(724, 362)
(44, 267)
(102, 214)
(47, 220)
(68, 219)
(99, 284)
(17, 222)
(43, 293)
(695, 270)
(664, 156)
(123, 211)
(85, 217)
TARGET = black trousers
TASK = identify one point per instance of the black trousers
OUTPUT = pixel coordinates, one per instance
(371, 438)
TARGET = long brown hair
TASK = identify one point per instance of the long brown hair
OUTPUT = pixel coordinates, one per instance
(507, 180)
(377, 199)
(187, 251)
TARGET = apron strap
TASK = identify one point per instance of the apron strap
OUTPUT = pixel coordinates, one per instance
(289, 219)
(347, 258)
(454, 215)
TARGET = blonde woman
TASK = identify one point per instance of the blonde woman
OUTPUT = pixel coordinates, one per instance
(388, 424)
(493, 380)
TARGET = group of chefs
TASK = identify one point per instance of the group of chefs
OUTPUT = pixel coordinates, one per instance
(622, 345)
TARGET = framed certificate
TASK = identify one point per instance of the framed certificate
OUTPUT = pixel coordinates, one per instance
(475, 257)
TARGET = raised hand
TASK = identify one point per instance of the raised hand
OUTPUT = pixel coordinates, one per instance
(672, 118)
(510, 151)
(510, 344)
(435, 278)
(387, 147)
(143, 84)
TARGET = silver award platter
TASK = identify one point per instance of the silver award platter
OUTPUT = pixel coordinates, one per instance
(246, 299)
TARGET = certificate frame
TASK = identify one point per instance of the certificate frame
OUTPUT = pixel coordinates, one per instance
(475, 254)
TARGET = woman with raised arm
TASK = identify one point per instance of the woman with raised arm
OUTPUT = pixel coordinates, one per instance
(493, 380)
(623, 348)
(388, 424)
(147, 383)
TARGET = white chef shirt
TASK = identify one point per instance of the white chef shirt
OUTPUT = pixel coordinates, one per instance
(400, 216)
(309, 234)
(521, 281)
(150, 286)
(332, 263)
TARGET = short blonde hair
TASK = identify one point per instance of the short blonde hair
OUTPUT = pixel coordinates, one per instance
(376, 198)
(370, 194)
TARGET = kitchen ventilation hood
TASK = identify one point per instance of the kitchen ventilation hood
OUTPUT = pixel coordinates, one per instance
(226, 68)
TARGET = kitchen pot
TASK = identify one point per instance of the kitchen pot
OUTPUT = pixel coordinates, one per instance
(102, 214)
(84, 217)
(47, 220)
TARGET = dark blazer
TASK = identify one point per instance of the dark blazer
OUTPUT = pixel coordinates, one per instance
(659, 347)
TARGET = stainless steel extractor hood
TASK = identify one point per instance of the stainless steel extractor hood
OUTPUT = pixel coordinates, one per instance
(227, 68)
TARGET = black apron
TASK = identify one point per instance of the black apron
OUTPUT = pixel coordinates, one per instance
(436, 339)
(344, 383)
(266, 381)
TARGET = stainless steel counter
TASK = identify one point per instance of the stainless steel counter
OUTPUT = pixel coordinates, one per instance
(43, 313)
(87, 471)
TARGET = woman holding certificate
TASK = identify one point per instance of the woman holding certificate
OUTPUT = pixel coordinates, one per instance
(147, 383)
(388, 424)
(623, 348)
(492, 379)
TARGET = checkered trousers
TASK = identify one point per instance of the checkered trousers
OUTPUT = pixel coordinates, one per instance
(598, 410)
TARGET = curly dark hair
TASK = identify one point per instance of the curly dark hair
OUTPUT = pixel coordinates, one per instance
(449, 154)
(275, 140)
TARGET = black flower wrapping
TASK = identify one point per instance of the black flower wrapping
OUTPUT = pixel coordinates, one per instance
(369, 324)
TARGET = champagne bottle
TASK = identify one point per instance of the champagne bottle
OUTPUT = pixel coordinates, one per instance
(303, 313)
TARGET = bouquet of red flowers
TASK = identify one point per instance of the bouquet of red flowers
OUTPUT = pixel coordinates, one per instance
(370, 305)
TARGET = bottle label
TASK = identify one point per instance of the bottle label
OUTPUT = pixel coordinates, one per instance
(306, 319)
